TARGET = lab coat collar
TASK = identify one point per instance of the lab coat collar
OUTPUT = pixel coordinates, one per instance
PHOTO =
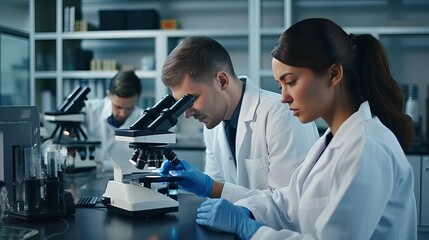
(107, 108)
(249, 100)
(233, 122)
(345, 130)
(361, 115)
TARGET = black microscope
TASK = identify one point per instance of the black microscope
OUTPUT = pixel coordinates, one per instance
(68, 132)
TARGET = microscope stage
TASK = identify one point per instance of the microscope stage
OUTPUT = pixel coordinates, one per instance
(75, 144)
(64, 117)
(148, 177)
(142, 136)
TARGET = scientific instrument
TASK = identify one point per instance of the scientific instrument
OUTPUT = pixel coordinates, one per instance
(69, 134)
(34, 192)
(139, 193)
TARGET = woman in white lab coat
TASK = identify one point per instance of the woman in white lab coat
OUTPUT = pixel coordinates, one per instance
(356, 182)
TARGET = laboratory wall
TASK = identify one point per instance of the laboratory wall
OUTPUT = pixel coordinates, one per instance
(14, 53)
(15, 14)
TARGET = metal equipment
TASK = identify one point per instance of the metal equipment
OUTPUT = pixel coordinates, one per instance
(35, 190)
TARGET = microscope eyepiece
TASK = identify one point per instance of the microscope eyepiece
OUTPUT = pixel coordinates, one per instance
(69, 99)
(168, 117)
(151, 113)
(157, 120)
(77, 101)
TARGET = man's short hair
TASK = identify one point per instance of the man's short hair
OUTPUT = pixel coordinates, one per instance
(125, 84)
(198, 57)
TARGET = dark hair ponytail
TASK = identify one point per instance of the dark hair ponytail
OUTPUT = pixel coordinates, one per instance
(317, 43)
(377, 85)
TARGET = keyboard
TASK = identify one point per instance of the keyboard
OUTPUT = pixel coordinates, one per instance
(87, 201)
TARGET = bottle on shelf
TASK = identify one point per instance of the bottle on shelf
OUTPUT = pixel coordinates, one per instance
(412, 107)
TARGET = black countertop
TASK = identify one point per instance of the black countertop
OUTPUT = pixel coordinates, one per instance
(98, 223)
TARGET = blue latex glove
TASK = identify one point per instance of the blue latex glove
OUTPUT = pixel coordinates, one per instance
(222, 215)
(194, 180)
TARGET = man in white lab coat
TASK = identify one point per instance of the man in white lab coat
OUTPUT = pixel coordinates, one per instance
(117, 110)
(251, 138)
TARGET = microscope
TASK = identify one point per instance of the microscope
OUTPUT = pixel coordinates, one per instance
(145, 191)
(69, 134)
(35, 191)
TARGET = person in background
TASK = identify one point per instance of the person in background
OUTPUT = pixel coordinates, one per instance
(356, 182)
(252, 140)
(117, 110)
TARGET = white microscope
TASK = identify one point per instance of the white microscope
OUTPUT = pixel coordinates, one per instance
(145, 191)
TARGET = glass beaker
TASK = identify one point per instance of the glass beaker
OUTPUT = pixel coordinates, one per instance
(51, 181)
(32, 178)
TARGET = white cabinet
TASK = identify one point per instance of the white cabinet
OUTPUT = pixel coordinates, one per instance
(424, 213)
(420, 164)
(415, 162)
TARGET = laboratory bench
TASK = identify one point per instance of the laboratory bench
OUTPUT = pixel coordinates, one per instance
(98, 223)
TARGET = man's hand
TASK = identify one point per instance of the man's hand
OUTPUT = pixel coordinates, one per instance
(194, 180)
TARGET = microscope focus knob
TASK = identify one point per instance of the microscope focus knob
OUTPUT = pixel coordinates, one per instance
(171, 156)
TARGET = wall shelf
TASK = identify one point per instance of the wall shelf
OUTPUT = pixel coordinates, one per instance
(103, 74)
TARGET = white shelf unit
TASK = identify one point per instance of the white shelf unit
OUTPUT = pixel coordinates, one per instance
(424, 187)
(420, 164)
(254, 24)
(49, 43)
(247, 28)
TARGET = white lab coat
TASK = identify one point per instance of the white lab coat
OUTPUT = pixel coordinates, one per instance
(271, 144)
(98, 129)
(360, 188)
